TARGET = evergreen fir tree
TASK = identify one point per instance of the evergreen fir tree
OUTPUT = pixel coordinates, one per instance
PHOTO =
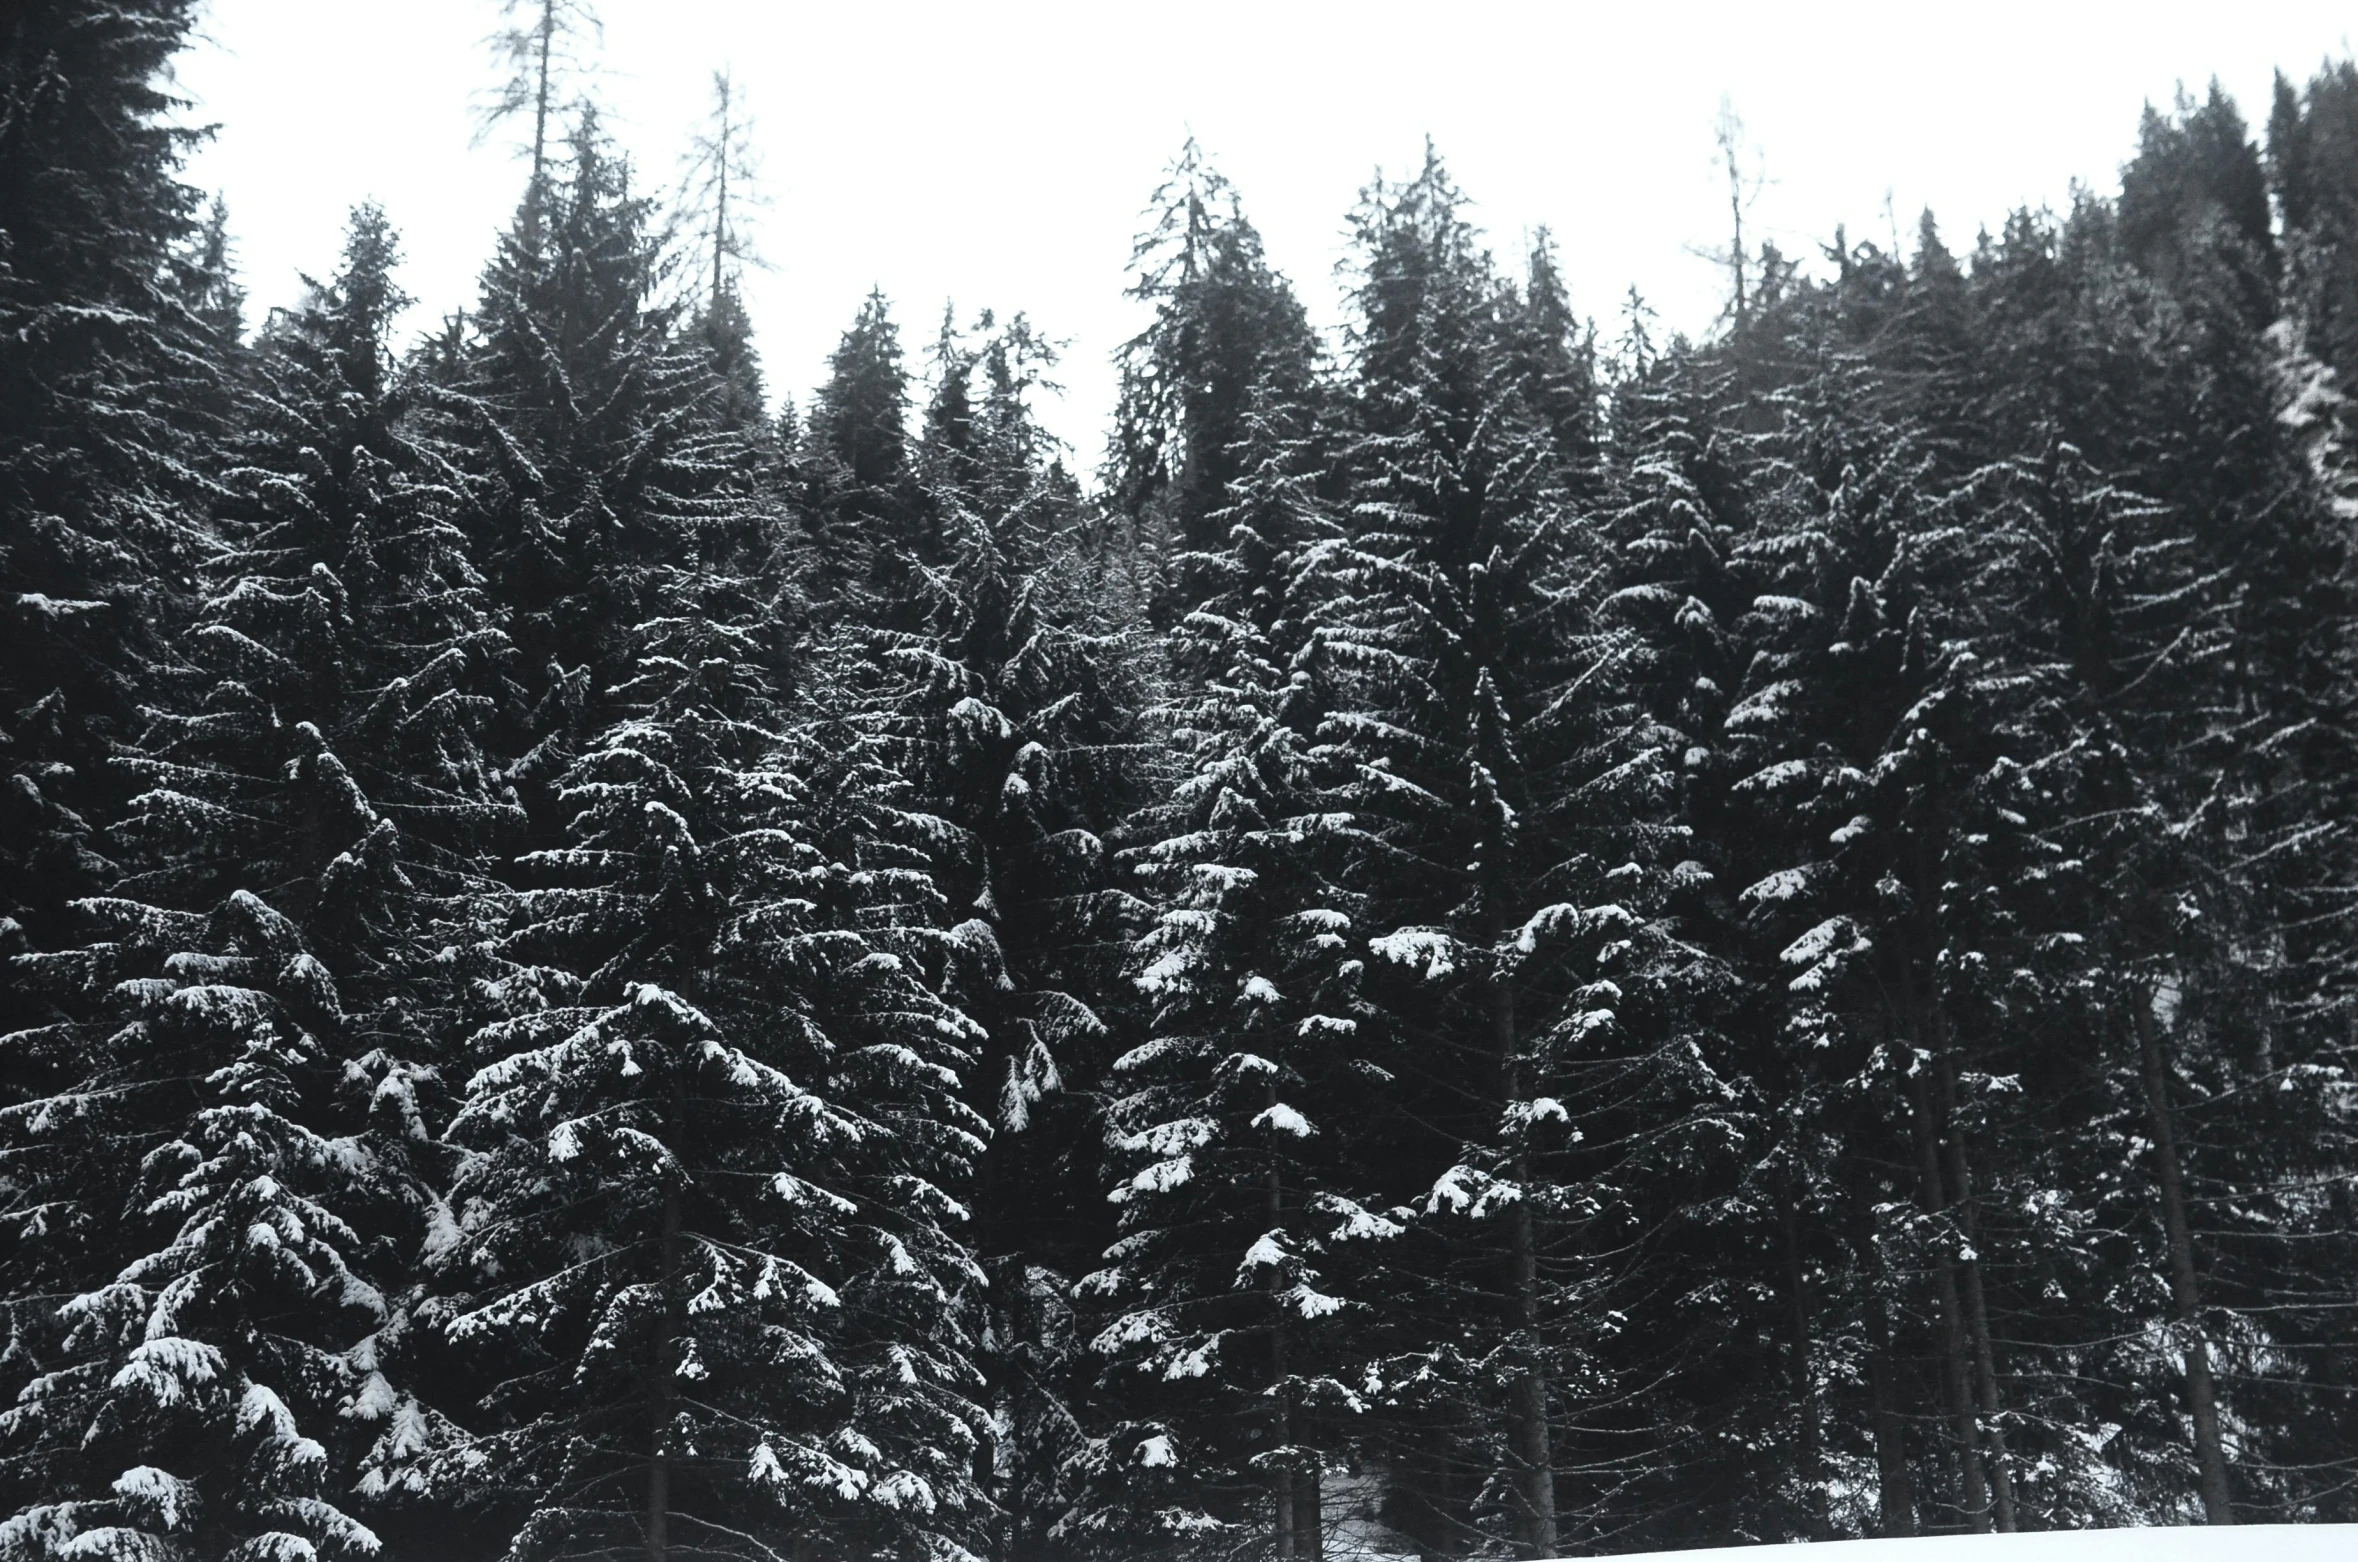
(1501, 795)
(1236, 1340)
(109, 386)
(1010, 707)
(725, 333)
(1555, 356)
(704, 1241)
(859, 507)
(595, 448)
(231, 1180)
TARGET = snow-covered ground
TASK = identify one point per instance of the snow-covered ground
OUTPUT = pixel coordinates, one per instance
(2249, 1543)
(1356, 1535)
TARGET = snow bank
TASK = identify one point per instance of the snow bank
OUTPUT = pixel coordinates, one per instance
(2247, 1543)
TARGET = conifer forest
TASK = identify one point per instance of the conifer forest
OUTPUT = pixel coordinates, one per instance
(1498, 934)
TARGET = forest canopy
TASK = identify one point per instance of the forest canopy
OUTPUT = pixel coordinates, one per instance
(1499, 935)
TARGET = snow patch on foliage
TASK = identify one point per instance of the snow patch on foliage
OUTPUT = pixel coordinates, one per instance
(1281, 1118)
(1433, 954)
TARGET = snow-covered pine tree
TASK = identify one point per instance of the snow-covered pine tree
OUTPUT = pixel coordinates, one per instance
(1020, 727)
(192, 1397)
(208, 286)
(1503, 798)
(858, 506)
(226, 1187)
(1232, 1314)
(108, 379)
(1554, 355)
(1679, 507)
(1925, 354)
(1011, 704)
(1717, 1354)
(725, 333)
(704, 1243)
(2084, 582)
(1847, 760)
(585, 418)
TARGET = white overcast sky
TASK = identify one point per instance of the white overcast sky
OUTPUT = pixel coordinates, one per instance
(1000, 154)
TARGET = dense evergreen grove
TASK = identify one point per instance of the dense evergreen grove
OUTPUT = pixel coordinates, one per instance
(1492, 942)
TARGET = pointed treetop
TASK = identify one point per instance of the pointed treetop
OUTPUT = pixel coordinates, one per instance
(1932, 255)
(1222, 322)
(862, 411)
(1193, 203)
(220, 302)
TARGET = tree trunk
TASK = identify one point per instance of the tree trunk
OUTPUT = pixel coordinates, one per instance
(2202, 1401)
(1895, 1486)
(1535, 1480)
(1533, 1447)
(1977, 1316)
(1977, 1325)
(1965, 1316)
(1281, 1479)
(1805, 1396)
(1730, 134)
(540, 96)
(666, 1388)
(1309, 1516)
(1956, 1376)
(720, 215)
(1281, 1474)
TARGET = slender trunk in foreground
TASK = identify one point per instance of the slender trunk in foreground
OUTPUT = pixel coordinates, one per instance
(1895, 1486)
(1977, 1313)
(1956, 1377)
(2202, 1400)
(1533, 1448)
(1805, 1396)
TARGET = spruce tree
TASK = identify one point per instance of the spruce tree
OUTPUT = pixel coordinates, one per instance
(1008, 701)
(588, 425)
(702, 1241)
(1852, 747)
(110, 384)
(1502, 798)
(859, 506)
(1234, 1312)
(230, 1176)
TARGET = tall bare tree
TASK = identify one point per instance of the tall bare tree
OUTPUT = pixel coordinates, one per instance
(542, 47)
